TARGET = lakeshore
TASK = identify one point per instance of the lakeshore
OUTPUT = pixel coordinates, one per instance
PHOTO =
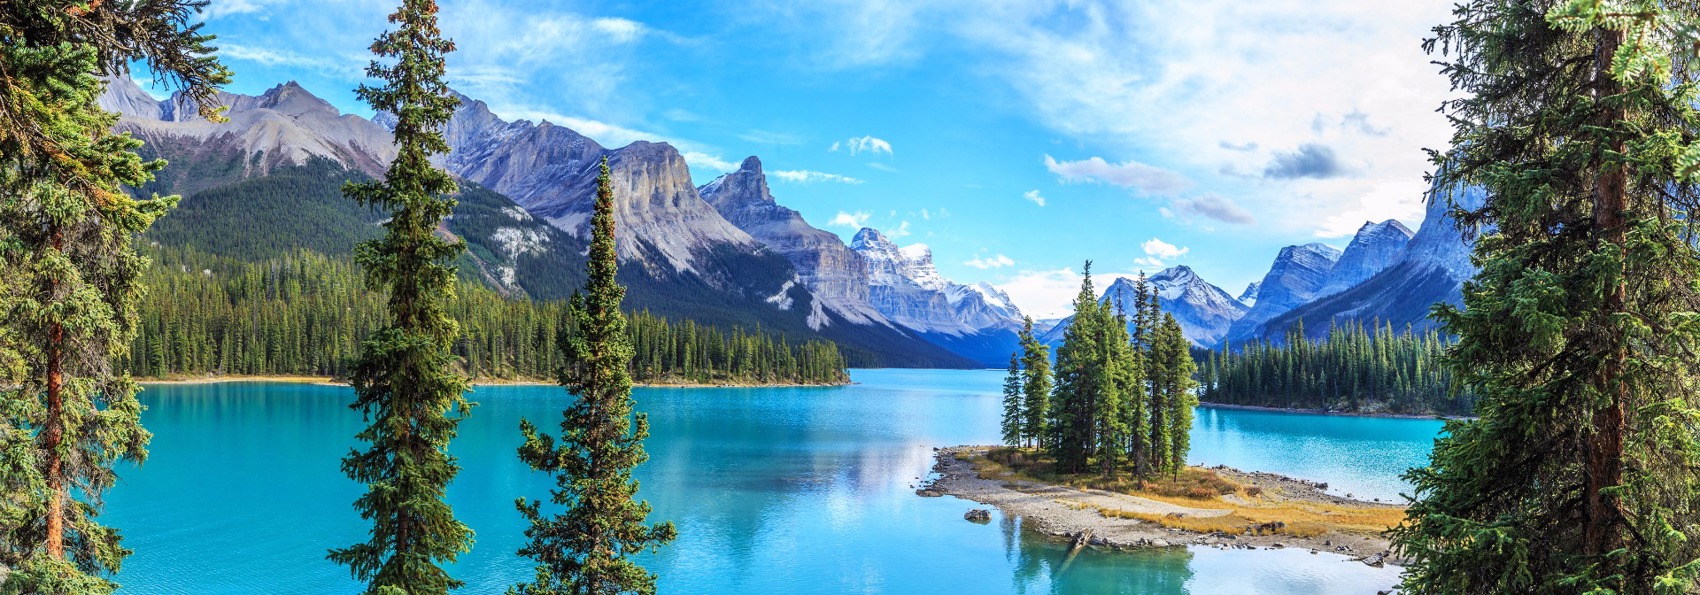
(328, 381)
(1312, 411)
(1264, 511)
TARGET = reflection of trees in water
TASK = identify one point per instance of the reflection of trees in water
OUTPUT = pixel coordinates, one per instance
(1039, 567)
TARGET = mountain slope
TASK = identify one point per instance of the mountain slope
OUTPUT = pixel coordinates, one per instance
(269, 182)
(1204, 311)
(831, 270)
(1431, 269)
(1375, 247)
(1296, 277)
(977, 321)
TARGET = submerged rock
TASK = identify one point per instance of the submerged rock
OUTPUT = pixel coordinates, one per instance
(978, 515)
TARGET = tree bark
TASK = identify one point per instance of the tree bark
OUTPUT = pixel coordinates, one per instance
(53, 435)
(1604, 466)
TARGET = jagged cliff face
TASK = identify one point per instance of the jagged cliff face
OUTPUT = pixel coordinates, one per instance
(837, 275)
(1430, 269)
(906, 287)
(1204, 311)
(1375, 247)
(286, 125)
(1296, 277)
(1249, 296)
(551, 171)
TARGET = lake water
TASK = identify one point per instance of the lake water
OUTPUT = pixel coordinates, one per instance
(777, 490)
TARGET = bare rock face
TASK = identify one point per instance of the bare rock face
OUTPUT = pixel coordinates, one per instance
(551, 171)
(1296, 277)
(837, 275)
(1375, 247)
(908, 289)
(1431, 268)
(286, 125)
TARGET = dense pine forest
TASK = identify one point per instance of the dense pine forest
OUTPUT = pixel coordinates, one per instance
(1355, 369)
(305, 314)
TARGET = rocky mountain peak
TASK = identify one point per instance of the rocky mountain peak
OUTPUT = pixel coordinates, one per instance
(1249, 296)
(1375, 247)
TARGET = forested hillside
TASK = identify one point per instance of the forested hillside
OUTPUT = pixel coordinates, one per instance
(305, 314)
(1353, 369)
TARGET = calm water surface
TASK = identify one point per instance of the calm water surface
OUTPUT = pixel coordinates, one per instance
(775, 490)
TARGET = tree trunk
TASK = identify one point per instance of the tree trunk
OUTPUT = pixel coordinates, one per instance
(1604, 467)
(54, 432)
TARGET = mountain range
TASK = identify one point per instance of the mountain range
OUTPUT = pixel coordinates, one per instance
(268, 181)
(727, 253)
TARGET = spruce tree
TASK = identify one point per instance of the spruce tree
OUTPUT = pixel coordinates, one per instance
(404, 380)
(1036, 389)
(1578, 121)
(1079, 378)
(69, 274)
(1011, 423)
(586, 548)
(1179, 389)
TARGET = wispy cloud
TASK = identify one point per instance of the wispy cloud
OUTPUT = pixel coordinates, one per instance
(708, 162)
(804, 176)
(1212, 206)
(1035, 197)
(862, 144)
(1132, 175)
(991, 262)
(856, 220)
(771, 138)
(353, 68)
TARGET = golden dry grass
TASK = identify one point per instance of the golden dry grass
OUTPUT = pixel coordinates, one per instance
(1188, 489)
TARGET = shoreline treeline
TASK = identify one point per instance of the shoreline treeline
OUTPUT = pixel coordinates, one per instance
(1355, 369)
(305, 314)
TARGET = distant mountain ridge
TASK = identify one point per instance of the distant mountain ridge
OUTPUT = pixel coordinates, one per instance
(681, 257)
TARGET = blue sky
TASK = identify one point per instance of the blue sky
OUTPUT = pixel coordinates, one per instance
(1017, 138)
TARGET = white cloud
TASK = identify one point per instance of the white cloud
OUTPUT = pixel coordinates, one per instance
(991, 262)
(1132, 175)
(902, 230)
(863, 144)
(771, 138)
(706, 162)
(1193, 86)
(1033, 195)
(351, 69)
(1158, 248)
(883, 167)
(1050, 293)
(856, 220)
(808, 177)
(1147, 263)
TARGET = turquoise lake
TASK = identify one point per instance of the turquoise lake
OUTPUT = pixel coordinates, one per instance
(773, 490)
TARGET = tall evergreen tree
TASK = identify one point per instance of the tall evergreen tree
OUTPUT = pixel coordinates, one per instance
(68, 272)
(1079, 382)
(1579, 333)
(1011, 423)
(586, 548)
(1179, 390)
(1036, 388)
(405, 382)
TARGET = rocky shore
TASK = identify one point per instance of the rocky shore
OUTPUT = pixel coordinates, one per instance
(1078, 515)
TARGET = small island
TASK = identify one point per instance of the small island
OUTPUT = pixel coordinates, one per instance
(1215, 507)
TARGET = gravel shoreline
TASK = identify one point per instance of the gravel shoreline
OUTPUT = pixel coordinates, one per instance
(1072, 515)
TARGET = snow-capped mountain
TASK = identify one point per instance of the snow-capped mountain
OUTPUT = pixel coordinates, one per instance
(1375, 247)
(1204, 311)
(1296, 277)
(526, 196)
(977, 321)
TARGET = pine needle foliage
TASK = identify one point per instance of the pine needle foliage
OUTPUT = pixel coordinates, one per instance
(1579, 334)
(69, 276)
(586, 549)
(405, 382)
